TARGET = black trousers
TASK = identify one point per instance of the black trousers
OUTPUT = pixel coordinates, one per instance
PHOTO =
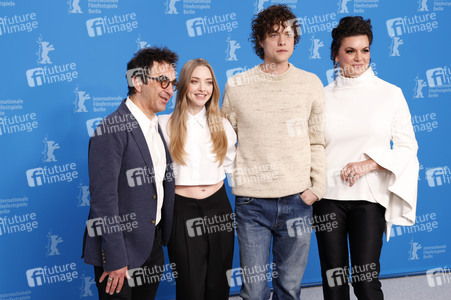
(201, 246)
(363, 223)
(144, 287)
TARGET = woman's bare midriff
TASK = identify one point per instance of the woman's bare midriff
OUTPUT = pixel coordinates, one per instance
(198, 191)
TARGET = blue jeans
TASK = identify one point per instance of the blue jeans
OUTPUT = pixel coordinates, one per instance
(287, 220)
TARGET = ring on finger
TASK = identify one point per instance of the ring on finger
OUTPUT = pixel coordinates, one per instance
(110, 279)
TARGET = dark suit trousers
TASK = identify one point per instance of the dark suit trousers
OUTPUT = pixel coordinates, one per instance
(363, 223)
(141, 290)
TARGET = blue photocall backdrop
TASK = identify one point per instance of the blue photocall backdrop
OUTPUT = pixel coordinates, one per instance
(63, 69)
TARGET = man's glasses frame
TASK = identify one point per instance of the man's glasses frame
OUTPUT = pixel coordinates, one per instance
(164, 81)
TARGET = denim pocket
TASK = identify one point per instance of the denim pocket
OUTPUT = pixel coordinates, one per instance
(243, 200)
(302, 200)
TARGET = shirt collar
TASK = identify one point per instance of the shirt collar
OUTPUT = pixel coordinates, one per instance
(200, 118)
(143, 121)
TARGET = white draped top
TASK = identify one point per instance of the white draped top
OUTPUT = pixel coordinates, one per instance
(367, 117)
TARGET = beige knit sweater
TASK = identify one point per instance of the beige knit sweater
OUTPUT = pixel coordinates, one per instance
(280, 127)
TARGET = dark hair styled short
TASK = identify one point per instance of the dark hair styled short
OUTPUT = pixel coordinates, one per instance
(349, 26)
(145, 58)
(264, 23)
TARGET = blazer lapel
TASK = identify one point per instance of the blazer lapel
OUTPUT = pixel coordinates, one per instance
(140, 140)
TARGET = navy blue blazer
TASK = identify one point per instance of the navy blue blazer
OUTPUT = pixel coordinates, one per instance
(121, 224)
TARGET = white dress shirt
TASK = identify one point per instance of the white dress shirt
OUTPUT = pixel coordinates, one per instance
(155, 144)
(364, 115)
(201, 167)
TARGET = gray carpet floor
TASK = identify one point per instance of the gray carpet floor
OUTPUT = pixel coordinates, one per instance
(412, 288)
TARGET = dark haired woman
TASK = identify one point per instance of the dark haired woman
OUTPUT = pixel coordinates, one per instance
(371, 185)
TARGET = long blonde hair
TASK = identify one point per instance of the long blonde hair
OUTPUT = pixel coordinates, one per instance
(177, 122)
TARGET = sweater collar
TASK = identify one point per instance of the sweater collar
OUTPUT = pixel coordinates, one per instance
(276, 77)
(365, 78)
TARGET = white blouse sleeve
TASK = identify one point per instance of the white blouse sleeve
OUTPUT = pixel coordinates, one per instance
(402, 163)
(229, 160)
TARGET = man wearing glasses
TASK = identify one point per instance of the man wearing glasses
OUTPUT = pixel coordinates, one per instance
(131, 184)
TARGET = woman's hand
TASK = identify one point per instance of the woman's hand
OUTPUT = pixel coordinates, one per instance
(355, 170)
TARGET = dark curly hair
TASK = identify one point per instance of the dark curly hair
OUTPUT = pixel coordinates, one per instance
(145, 58)
(264, 23)
(349, 26)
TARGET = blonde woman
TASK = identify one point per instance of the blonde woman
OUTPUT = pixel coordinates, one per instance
(202, 145)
